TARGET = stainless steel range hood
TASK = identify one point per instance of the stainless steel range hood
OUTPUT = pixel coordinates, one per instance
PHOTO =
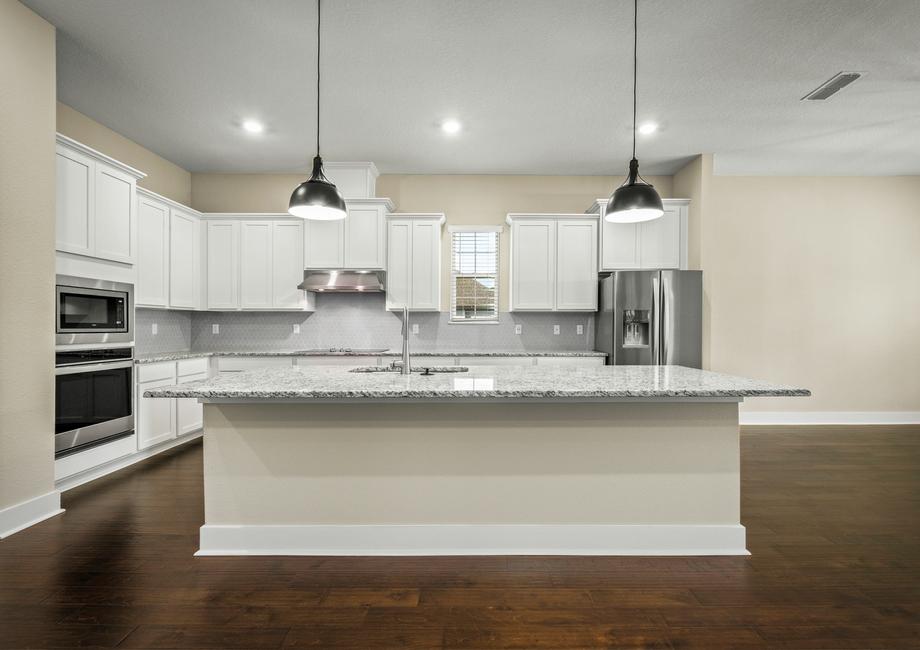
(342, 281)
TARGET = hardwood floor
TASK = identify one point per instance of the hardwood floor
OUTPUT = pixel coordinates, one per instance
(833, 520)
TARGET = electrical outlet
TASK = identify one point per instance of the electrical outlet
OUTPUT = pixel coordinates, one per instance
(518, 329)
(215, 328)
(153, 329)
(579, 329)
(556, 329)
(415, 328)
(296, 328)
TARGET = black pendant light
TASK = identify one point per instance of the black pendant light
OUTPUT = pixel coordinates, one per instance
(317, 198)
(635, 200)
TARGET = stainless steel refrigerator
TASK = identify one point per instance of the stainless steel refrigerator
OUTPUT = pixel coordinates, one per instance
(651, 318)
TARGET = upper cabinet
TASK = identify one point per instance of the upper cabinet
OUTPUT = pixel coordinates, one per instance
(255, 262)
(169, 253)
(657, 244)
(414, 261)
(356, 242)
(553, 262)
(95, 203)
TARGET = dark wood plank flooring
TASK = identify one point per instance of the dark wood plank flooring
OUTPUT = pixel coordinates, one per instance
(833, 519)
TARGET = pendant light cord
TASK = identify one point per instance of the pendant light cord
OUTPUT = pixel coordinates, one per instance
(319, 5)
(635, 66)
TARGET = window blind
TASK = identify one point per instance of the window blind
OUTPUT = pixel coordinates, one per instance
(474, 276)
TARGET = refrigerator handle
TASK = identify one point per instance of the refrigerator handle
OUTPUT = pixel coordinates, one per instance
(656, 321)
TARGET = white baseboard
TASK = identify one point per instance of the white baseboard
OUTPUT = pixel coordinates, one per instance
(22, 515)
(72, 481)
(828, 417)
(473, 539)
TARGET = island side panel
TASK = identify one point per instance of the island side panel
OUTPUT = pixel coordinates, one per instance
(305, 472)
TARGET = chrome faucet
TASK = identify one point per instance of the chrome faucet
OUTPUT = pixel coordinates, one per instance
(406, 368)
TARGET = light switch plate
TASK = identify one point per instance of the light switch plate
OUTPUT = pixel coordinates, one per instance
(153, 329)
(215, 328)
(518, 329)
(579, 329)
(415, 328)
(296, 328)
(555, 329)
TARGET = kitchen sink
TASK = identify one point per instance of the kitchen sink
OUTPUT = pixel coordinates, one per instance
(422, 370)
(342, 351)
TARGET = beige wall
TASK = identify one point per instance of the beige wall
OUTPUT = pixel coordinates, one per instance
(27, 91)
(163, 177)
(813, 281)
(465, 199)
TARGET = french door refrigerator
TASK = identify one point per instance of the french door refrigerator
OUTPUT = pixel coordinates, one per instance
(651, 318)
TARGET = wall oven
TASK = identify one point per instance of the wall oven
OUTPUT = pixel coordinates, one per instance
(94, 395)
(93, 311)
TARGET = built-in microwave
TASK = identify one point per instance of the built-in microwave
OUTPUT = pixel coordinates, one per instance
(93, 311)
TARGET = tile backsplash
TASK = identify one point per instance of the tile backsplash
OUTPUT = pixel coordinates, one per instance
(356, 321)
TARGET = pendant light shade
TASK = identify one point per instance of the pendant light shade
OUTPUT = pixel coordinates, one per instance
(635, 200)
(317, 198)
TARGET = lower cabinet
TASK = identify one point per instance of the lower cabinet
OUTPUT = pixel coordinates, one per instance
(160, 420)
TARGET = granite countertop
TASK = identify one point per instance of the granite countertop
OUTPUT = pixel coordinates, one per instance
(175, 356)
(319, 383)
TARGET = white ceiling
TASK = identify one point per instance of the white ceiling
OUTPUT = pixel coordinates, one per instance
(541, 86)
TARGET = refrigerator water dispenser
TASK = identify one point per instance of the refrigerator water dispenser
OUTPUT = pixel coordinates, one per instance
(635, 328)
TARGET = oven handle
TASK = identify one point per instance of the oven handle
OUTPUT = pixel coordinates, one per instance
(92, 367)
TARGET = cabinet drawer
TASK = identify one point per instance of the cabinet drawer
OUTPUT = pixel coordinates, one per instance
(196, 377)
(156, 372)
(192, 366)
(237, 364)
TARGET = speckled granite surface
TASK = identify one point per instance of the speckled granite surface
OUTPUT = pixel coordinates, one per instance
(483, 383)
(174, 356)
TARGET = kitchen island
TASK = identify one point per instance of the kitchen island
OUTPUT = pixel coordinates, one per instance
(497, 460)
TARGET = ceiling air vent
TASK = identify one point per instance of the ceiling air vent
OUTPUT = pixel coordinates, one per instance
(833, 85)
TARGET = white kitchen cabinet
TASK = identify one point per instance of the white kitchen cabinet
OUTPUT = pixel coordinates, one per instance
(287, 266)
(657, 244)
(576, 265)
(152, 288)
(414, 261)
(189, 411)
(95, 203)
(256, 264)
(239, 364)
(356, 242)
(184, 259)
(155, 417)
(223, 255)
(553, 262)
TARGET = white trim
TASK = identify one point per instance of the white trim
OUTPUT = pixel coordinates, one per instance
(474, 539)
(595, 208)
(515, 216)
(28, 513)
(755, 418)
(89, 151)
(418, 215)
(459, 228)
(70, 482)
(143, 191)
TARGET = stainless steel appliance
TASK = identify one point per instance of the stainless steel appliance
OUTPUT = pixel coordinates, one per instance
(651, 318)
(93, 397)
(93, 311)
(342, 281)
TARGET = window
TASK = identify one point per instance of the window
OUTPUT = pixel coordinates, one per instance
(474, 274)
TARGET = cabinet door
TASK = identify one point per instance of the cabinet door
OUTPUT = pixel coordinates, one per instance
(659, 240)
(256, 265)
(576, 265)
(619, 246)
(399, 243)
(153, 255)
(189, 412)
(533, 269)
(364, 238)
(223, 255)
(113, 215)
(75, 189)
(155, 416)
(183, 260)
(287, 264)
(425, 266)
(324, 244)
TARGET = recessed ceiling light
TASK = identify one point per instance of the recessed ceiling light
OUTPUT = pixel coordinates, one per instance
(648, 128)
(451, 127)
(253, 126)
